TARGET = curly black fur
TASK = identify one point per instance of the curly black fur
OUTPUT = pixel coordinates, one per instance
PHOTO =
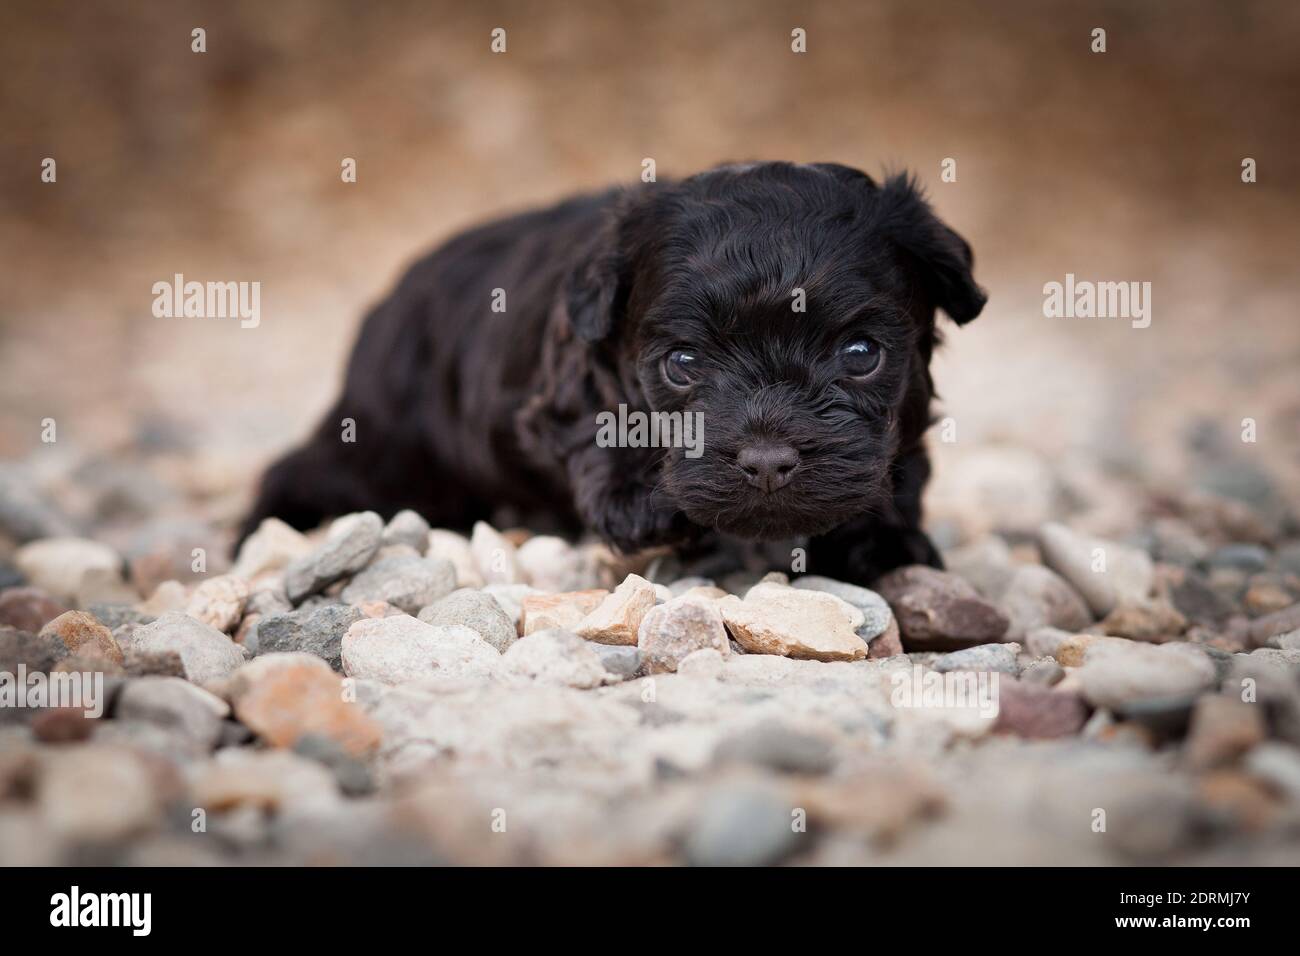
(460, 409)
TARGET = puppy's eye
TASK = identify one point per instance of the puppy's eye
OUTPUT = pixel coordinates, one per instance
(680, 368)
(860, 358)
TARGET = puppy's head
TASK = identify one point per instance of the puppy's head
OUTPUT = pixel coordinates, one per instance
(793, 308)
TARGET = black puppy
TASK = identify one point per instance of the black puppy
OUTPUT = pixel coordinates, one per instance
(791, 306)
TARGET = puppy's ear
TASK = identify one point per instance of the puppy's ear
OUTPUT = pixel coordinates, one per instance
(594, 294)
(943, 258)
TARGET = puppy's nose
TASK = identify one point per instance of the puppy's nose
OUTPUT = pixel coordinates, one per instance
(768, 466)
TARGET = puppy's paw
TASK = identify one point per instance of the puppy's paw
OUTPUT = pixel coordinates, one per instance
(634, 522)
(876, 552)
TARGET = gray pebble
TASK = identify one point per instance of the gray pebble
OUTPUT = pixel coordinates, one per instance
(773, 745)
(317, 631)
(409, 583)
(619, 659)
(983, 657)
(351, 542)
(741, 825)
(478, 611)
(1242, 557)
(409, 528)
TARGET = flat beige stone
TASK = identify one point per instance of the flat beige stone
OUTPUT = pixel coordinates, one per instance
(808, 625)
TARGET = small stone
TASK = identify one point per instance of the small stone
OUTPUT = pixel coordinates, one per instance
(139, 663)
(556, 657)
(105, 586)
(1116, 678)
(1278, 766)
(1126, 574)
(219, 602)
(706, 662)
(282, 697)
(409, 583)
(772, 745)
(545, 612)
(887, 644)
(409, 528)
(36, 652)
(349, 545)
(28, 609)
(455, 548)
(269, 780)
(1271, 625)
(1046, 641)
(550, 563)
(1222, 730)
(985, 564)
(1287, 558)
(1069, 650)
(1175, 542)
(475, 610)
(1241, 557)
(682, 585)
(939, 611)
(56, 565)
(24, 512)
(511, 598)
(794, 622)
(671, 631)
(1198, 602)
(1229, 584)
(1235, 801)
(378, 609)
(876, 614)
(386, 551)
(82, 634)
(10, 577)
(983, 657)
(98, 794)
(88, 661)
(317, 631)
(62, 725)
(113, 616)
(1153, 621)
(206, 653)
(1029, 709)
(246, 634)
(351, 774)
(620, 661)
(1044, 673)
(494, 555)
(167, 596)
(1036, 597)
(174, 704)
(397, 649)
(706, 591)
(273, 546)
(618, 617)
(1265, 597)
(741, 824)
(267, 601)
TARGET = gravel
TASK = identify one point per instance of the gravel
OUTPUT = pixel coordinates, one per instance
(637, 723)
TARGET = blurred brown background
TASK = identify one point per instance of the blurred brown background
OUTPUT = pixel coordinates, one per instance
(225, 166)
